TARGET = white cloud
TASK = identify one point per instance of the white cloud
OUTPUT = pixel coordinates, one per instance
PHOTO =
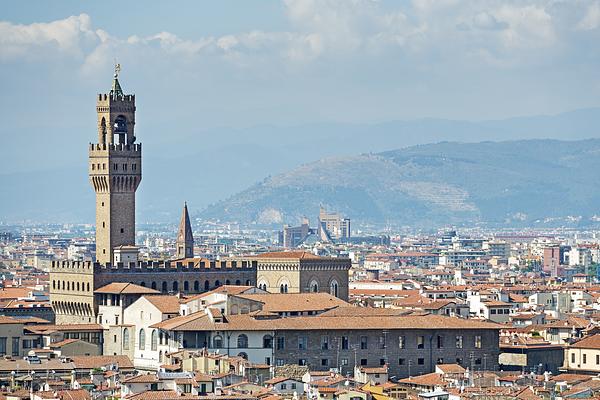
(591, 20)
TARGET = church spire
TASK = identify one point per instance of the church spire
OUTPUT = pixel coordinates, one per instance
(185, 238)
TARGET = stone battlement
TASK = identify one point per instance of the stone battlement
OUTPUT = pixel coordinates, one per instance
(127, 98)
(105, 148)
(153, 266)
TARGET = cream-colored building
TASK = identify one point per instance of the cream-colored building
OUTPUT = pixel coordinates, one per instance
(303, 272)
(583, 356)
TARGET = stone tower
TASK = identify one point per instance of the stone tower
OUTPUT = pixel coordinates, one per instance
(185, 238)
(115, 171)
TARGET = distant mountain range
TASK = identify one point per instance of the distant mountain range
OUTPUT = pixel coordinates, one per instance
(504, 183)
(205, 167)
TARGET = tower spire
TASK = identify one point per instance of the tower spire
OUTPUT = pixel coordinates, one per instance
(185, 237)
(116, 90)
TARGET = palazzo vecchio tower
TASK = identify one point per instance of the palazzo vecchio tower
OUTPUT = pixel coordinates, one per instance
(115, 170)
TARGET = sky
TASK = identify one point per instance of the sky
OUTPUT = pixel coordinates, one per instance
(198, 66)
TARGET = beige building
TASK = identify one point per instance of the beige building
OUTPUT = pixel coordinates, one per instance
(12, 337)
(583, 356)
(303, 272)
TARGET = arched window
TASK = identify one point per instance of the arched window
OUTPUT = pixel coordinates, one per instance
(248, 283)
(218, 342)
(243, 355)
(267, 342)
(314, 286)
(153, 285)
(283, 288)
(227, 282)
(206, 285)
(142, 340)
(242, 341)
(63, 285)
(333, 288)
(154, 340)
(53, 284)
(196, 286)
(160, 357)
(164, 287)
(186, 286)
(217, 283)
(143, 284)
(103, 131)
(88, 286)
(238, 282)
(175, 286)
(126, 339)
(161, 337)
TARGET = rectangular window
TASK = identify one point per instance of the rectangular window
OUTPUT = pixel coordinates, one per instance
(440, 342)
(402, 342)
(421, 361)
(459, 361)
(364, 343)
(382, 342)
(302, 343)
(420, 342)
(16, 346)
(302, 361)
(283, 386)
(324, 342)
(493, 311)
(477, 342)
(2, 346)
(382, 361)
(572, 355)
(440, 361)
(459, 342)
(585, 358)
(344, 361)
(597, 359)
(280, 362)
(401, 361)
(478, 361)
(345, 343)
(324, 362)
(363, 361)
(293, 386)
(280, 342)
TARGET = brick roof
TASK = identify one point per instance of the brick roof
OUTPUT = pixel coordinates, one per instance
(243, 322)
(125, 288)
(589, 342)
(91, 362)
(165, 303)
(301, 255)
(287, 302)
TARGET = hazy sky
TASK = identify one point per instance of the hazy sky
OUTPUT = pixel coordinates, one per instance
(196, 65)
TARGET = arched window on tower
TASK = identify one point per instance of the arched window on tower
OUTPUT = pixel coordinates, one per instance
(196, 286)
(175, 286)
(103, 131)
(120, 129)
(164, 287)
(186, 286)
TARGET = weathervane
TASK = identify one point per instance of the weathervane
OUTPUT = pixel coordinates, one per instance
(117, 69)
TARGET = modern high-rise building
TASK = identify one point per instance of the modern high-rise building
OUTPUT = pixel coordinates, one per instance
(333, 227)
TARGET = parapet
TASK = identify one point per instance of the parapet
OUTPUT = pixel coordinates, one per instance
(104, 97)
(180, 266)
(106, 148)
(154, 266)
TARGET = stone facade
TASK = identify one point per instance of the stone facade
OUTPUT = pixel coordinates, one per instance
(401, 350)
(301, 272)
(115, 170)
(73, 282)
